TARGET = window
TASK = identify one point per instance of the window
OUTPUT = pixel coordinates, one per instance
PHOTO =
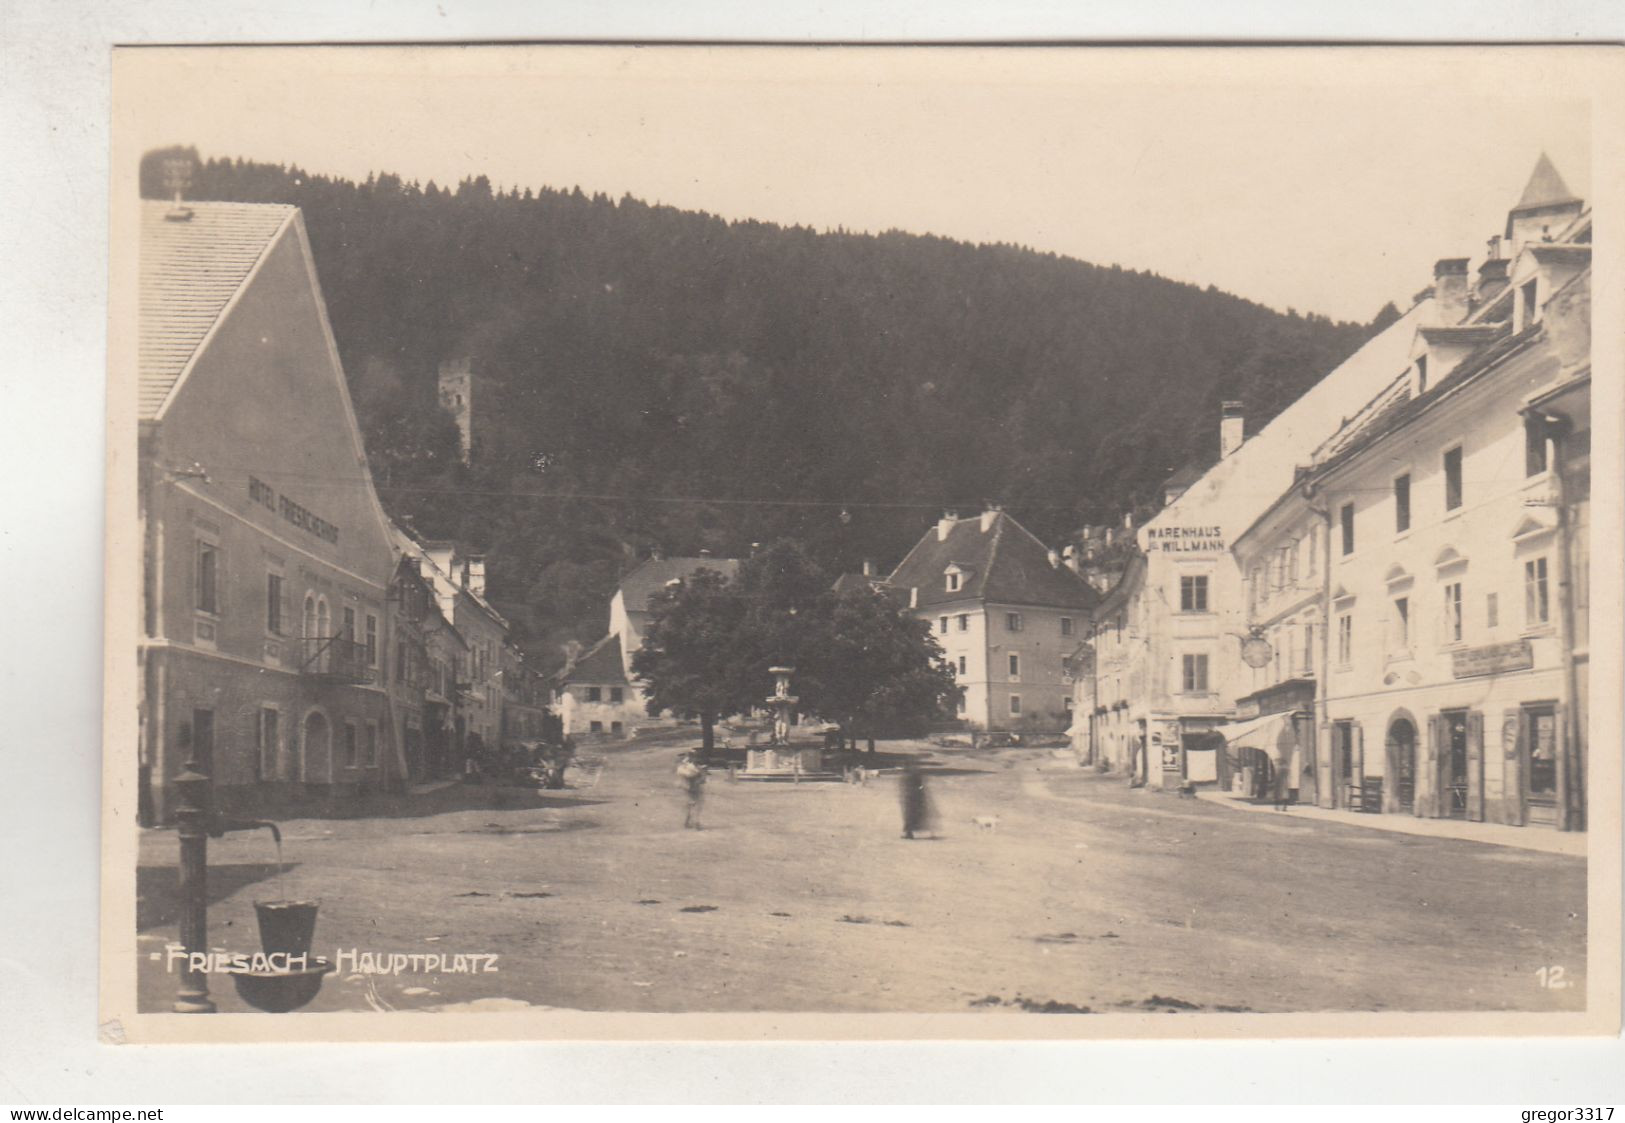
(372, 640)
(1015, 705)
(595, 727)
(1534, 450)
(1012, 621)
(1347, 516)
(617, 694)
(1536, 597)
(942, 625)
(1421, 374)
(400, 660)
(349, 744)
(1452, 479)
(1314, 550)
(203, 740)
(1308, 649)
(1195, 674)
(208, 571)
(1292, 564)
(1492, 610)
(962, 665)
(1402, 625)
(371, 757)
(267, 739)
(953, 582)
(1066, 625)
(273, 603)
(595, 694)
(964, 623)
(1402, 503)
(1193, 594)
(960, 705)
(1531, 310)
(1015, 666)
(1345, 639)
(615, 727)
(349, 624)
(1452, 612)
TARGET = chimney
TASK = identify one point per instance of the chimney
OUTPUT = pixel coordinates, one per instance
(914, 596)
(1232, 430)
(1054, 558)
(1450, 289)
(475, 581)
(988, 516)
(1128, 517)
(945, 524)
(1492, 278)
(868, 568)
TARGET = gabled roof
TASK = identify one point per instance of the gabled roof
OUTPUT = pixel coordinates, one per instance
(600, 664)
(190, 270)
(1008, 566)
(648, 580)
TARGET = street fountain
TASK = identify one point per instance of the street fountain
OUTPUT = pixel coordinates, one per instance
(779, 759)
(286, 927)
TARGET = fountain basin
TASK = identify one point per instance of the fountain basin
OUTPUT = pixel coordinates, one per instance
(287, 927)
(278, 992)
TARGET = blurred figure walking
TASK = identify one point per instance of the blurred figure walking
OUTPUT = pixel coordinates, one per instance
(916, 802)
(692, 777)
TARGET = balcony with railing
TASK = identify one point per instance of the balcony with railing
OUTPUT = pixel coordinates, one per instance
(335, 659)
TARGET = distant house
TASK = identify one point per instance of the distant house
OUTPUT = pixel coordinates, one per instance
(1007, 613)
(597, 693)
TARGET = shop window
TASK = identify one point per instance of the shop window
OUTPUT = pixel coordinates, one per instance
(1402, 503)
(1194, 674)
(1193, 593)
(1452, 479)
(1536, 593)
(1542, 754)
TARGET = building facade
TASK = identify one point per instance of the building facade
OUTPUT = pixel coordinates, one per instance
(266, 553)
(1007, 614)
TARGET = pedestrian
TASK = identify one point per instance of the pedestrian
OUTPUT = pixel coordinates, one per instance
(692, 777)
(916, 803)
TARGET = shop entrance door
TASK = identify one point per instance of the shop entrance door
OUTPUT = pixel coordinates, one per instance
(1342, 762)
(1402, 763)
(1454, 764)
(1540, 764)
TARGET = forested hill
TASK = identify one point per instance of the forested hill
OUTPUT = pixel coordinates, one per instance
(643, 375)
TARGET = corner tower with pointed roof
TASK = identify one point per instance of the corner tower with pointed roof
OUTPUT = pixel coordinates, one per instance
(1546, 207)
(1007, 614)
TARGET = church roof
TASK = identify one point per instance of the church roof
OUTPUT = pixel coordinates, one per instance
(190, 270)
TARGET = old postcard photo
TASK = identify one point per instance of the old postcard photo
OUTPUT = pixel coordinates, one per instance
(750, 542)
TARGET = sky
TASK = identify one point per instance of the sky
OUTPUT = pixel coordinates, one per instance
(1325, 180)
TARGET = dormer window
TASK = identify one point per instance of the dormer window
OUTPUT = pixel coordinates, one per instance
(1421, 374)
(953, 582)
(953, 578)
(1529, 310)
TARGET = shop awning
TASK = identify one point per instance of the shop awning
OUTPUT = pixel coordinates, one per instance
(1261, 733)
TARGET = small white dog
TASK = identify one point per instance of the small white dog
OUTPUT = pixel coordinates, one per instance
(986, 822)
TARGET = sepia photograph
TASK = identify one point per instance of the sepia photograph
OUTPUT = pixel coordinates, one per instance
(751, 542)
